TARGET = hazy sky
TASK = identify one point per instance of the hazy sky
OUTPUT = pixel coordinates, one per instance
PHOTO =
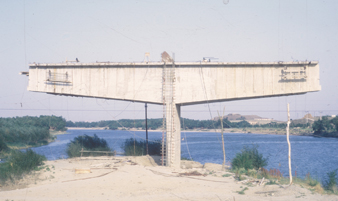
(120, 31)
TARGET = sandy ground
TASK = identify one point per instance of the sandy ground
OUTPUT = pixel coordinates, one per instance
(140, 178)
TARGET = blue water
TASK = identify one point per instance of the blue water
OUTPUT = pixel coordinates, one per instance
(316, 156)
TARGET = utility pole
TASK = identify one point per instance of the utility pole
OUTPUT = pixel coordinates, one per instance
(224, 157)
(287, 138)
(146, 129)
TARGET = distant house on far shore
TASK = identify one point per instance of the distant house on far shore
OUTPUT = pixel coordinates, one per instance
(252, 119)
(308, 118)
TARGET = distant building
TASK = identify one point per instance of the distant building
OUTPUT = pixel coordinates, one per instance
(308, 116)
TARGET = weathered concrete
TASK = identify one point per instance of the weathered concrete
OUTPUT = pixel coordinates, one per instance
(175, 84)
(196, 82)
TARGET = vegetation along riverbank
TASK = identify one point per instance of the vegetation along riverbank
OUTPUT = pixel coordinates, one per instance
(25, 132)
(320, 127)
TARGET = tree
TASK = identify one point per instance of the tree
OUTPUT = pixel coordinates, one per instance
(243, 124)
(322, 126)
(334, 121)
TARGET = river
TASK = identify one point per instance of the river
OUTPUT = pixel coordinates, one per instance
(316, 156)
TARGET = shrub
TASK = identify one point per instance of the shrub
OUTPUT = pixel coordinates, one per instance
(239, 172)
(73, 150)
(133, 147)
(3, 146)
(249, 158)
(155, 147)
(264, 173)
(87, 143)
(311, 181)
(252, 173)
(19, 163)
(330, 183)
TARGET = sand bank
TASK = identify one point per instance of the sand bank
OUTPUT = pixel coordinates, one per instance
(140, 178)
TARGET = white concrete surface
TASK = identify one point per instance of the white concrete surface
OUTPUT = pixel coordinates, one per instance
(196, 82)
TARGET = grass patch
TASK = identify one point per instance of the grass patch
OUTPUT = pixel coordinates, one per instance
(239, 173)
(186, 159)
(18, 164)
(133, 147)
(311, 181)
(87, 143)
(271, 182)
(251, 163)
(308, 182)
(270, 174)
(242, 191)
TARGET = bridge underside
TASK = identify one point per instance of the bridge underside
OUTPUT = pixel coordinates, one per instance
(175, 85)
(184, 104)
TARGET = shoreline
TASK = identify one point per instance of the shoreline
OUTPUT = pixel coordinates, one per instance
(267, 131)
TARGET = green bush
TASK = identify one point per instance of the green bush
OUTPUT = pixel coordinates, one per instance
(330, 183)
(18, 164)
(87, 143)
(133, 147)
(249, 158)
(73, 150)
(239, 173)
(3, 146)
(311, 181)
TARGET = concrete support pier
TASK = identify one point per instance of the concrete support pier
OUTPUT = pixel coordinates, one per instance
(173, 114)
(173, 136)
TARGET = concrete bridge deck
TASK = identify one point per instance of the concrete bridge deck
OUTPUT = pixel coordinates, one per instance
(195, 82)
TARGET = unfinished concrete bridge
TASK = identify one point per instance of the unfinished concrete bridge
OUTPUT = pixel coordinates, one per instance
(174, 84)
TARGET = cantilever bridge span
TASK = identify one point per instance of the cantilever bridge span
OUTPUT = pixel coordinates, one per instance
(175, 84)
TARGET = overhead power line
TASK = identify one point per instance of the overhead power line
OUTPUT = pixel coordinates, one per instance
(185, 111)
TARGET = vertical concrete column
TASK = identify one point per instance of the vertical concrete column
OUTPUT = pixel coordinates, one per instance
(173, 137)
(173, 124)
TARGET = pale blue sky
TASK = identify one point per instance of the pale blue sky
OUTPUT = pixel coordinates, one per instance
(243, 30)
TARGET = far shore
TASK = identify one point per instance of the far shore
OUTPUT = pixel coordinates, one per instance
(261, 131)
